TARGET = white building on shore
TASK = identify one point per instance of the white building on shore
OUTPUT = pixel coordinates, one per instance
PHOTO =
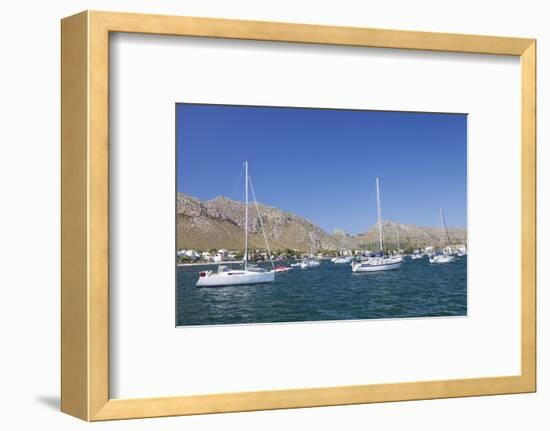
(191, 254)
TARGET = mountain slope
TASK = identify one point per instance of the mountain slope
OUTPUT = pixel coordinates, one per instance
(219, 223)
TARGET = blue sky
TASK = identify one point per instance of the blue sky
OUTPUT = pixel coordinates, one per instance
(321, 164)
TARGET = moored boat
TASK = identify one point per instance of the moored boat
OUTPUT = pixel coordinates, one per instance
(444, 256)
(417, 254)
(309, 263)
(381, 262)
(376, 264)
(226, 276)
(343, 259)
(250, 273)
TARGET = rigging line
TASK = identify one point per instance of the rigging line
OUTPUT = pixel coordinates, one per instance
(370, 206)
(379, 209)
(261, 222)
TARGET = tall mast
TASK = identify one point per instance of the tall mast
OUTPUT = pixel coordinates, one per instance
(245, 261)
(445, 226)
(379, 221)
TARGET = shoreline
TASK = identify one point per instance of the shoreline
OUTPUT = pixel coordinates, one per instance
(225, 262)
(232, 262)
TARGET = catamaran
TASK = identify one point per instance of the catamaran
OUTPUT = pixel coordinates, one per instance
(250, 274)
(444, 256)
(381, 262)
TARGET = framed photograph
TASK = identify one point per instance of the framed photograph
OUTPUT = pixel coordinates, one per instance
(267, 215)
(326, 214)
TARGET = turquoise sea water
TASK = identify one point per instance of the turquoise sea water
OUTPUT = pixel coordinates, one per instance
(328, 292)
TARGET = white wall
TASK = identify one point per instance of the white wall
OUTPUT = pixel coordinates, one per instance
(29, 215)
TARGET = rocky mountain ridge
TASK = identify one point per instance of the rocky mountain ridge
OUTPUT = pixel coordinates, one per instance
(219, 223)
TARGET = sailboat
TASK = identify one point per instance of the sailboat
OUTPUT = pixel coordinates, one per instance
(345, 256)
(343, 259)
(381, 262)
(397, 255)
(417, 254)
(444, 256)
(309, 261)
(250, 274)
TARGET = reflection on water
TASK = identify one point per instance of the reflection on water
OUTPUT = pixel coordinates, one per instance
(328, 292)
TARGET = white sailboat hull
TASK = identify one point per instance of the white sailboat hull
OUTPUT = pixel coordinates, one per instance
(310, 264)
(441, 259)
(373, 267)
(343, 260)
(234, 278)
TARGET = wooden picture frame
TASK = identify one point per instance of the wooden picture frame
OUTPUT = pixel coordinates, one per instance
(85, 215)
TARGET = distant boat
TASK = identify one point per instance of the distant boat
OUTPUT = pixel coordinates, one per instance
(343, 259)
(309, 261)
(250, 274)
(443, 256)
(397, 255)
(378, 263)
(417, 255)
